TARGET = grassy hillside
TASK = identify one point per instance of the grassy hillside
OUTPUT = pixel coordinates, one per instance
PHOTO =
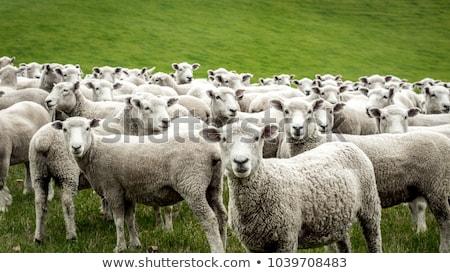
(410, 39)
(353, 38)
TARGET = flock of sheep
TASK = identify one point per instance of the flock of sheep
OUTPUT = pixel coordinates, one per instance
(303, 159)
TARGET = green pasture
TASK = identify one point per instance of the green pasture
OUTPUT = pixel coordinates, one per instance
(353, 38)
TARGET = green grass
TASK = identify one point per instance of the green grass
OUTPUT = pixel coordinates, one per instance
(409, 39)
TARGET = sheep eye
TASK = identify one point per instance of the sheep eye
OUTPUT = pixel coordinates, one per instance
(433, 95)
(309, 112)
(286, 111)
(224, 139)
(383, 118)
(217, 97)
(406, 117)
(322, 94)
(64, 130)
(385, 97)
(147, 108)
(88, 128)
(256, 138)
(331, 112)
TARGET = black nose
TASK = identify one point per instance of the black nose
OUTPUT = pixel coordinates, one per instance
(76, 148)
(165, 123)
(233, 110)
(241, 161)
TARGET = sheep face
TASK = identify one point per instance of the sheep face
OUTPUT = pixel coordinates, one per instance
(283, 79)
(330, 93)
(223, 102)
(77, 134)
(324, 116)
(298, 115)
(393, 119)
(437, 99)
(379, 98)
(152, 111)
(71, 74)
(102, 90)
(230, 79)
(241, 145)
(184, 72)
(33, 70)
(62, 97)
(304, 85)
(107, 73)
(374, 81)
(5, 60)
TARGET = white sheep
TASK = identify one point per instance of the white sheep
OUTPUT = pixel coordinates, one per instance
(51, 75)
(184, 72)
(436, 99)
(382, 97)
(99, 89)
(67, 98)
(283, 79)
(49, 157)
(5, 60)
(407, 166)
(164, 79)
(196, 107)
(280, 205)
(260, 102)
(8, 77)
(429, 120)
(33, 70)
(29, 94)
(223, 104)
(305, 85)
(266, 81)
(155, 89)
(18, 123)
(143, 177)
(330, 93)
(107, 73)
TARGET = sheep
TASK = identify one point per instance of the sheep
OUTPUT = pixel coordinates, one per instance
(329, 93)
(197, 107)
(29, 94)
(51, 75)
(5, 60)
(436, 99)
(235, 82)
(261, 102)
(184, 72)
(164, 79)
(266, 81)
(71, 73)
(325, 77)
(33, 70)
(382, 97)
(67, 98)
(283, 79)
(18, 123)
(223, 104)
(305, 85)
(375, 81)
(155, 89)
(49, 157)
(280, 205)
(107, 73)
(407, 166)
(32, 74)
(199, 91)
(429, 120)
(393, 119)
(100, 90)
(8, 77)
(142, 177)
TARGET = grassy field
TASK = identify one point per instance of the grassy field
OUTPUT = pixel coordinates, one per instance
(409, 39)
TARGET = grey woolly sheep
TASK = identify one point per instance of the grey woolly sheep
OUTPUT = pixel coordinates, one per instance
(407, 166)
(18, 123)
(51, 75)
(143, 178)
(280, 205)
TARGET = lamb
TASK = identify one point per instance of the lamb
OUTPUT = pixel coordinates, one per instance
(407, 166)
(142, 178)
(436, 99)
(67, 98)
(164, 79)
(280, 205)
(5, 60)
(184, 72)
(18, 123)
(49, 157)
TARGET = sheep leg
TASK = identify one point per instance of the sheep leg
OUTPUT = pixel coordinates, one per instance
(369, 217)
(158, 216)
(440, 208)
(215, 201)
(40, 202)
(68, 194)
(168, 222)
(418, 207)
(130, 210)
(344, 245)
(28, 187)
(118, 215)
(207, 218)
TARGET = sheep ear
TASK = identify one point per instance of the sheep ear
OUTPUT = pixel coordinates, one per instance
(76, 86)
(375, 112)
(277, 104)
(210, 93)
(57, 125)
(338, 107)
(211, 134)
(136, 102)
(391, 92)
(96, 69)
(195, 66)
(2, 93)
(59, 71)
(239, 94)
(175, 66)
(427, 90)
(94, 123)
(172, 101)
(364, 91)
(149, 71)
(117, 85)
(316, 90)
(128, 100)
(414, 111)
(317, 104)
(342, 88)
(363, 80)
(270, 131)
(89, 85)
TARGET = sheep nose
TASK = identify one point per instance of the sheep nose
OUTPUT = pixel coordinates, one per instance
(241, 160)
(233, 110)
(76, 148)
(307, 92)
(297, 127)
(165, 123)
(189, 79)
(323, 127)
